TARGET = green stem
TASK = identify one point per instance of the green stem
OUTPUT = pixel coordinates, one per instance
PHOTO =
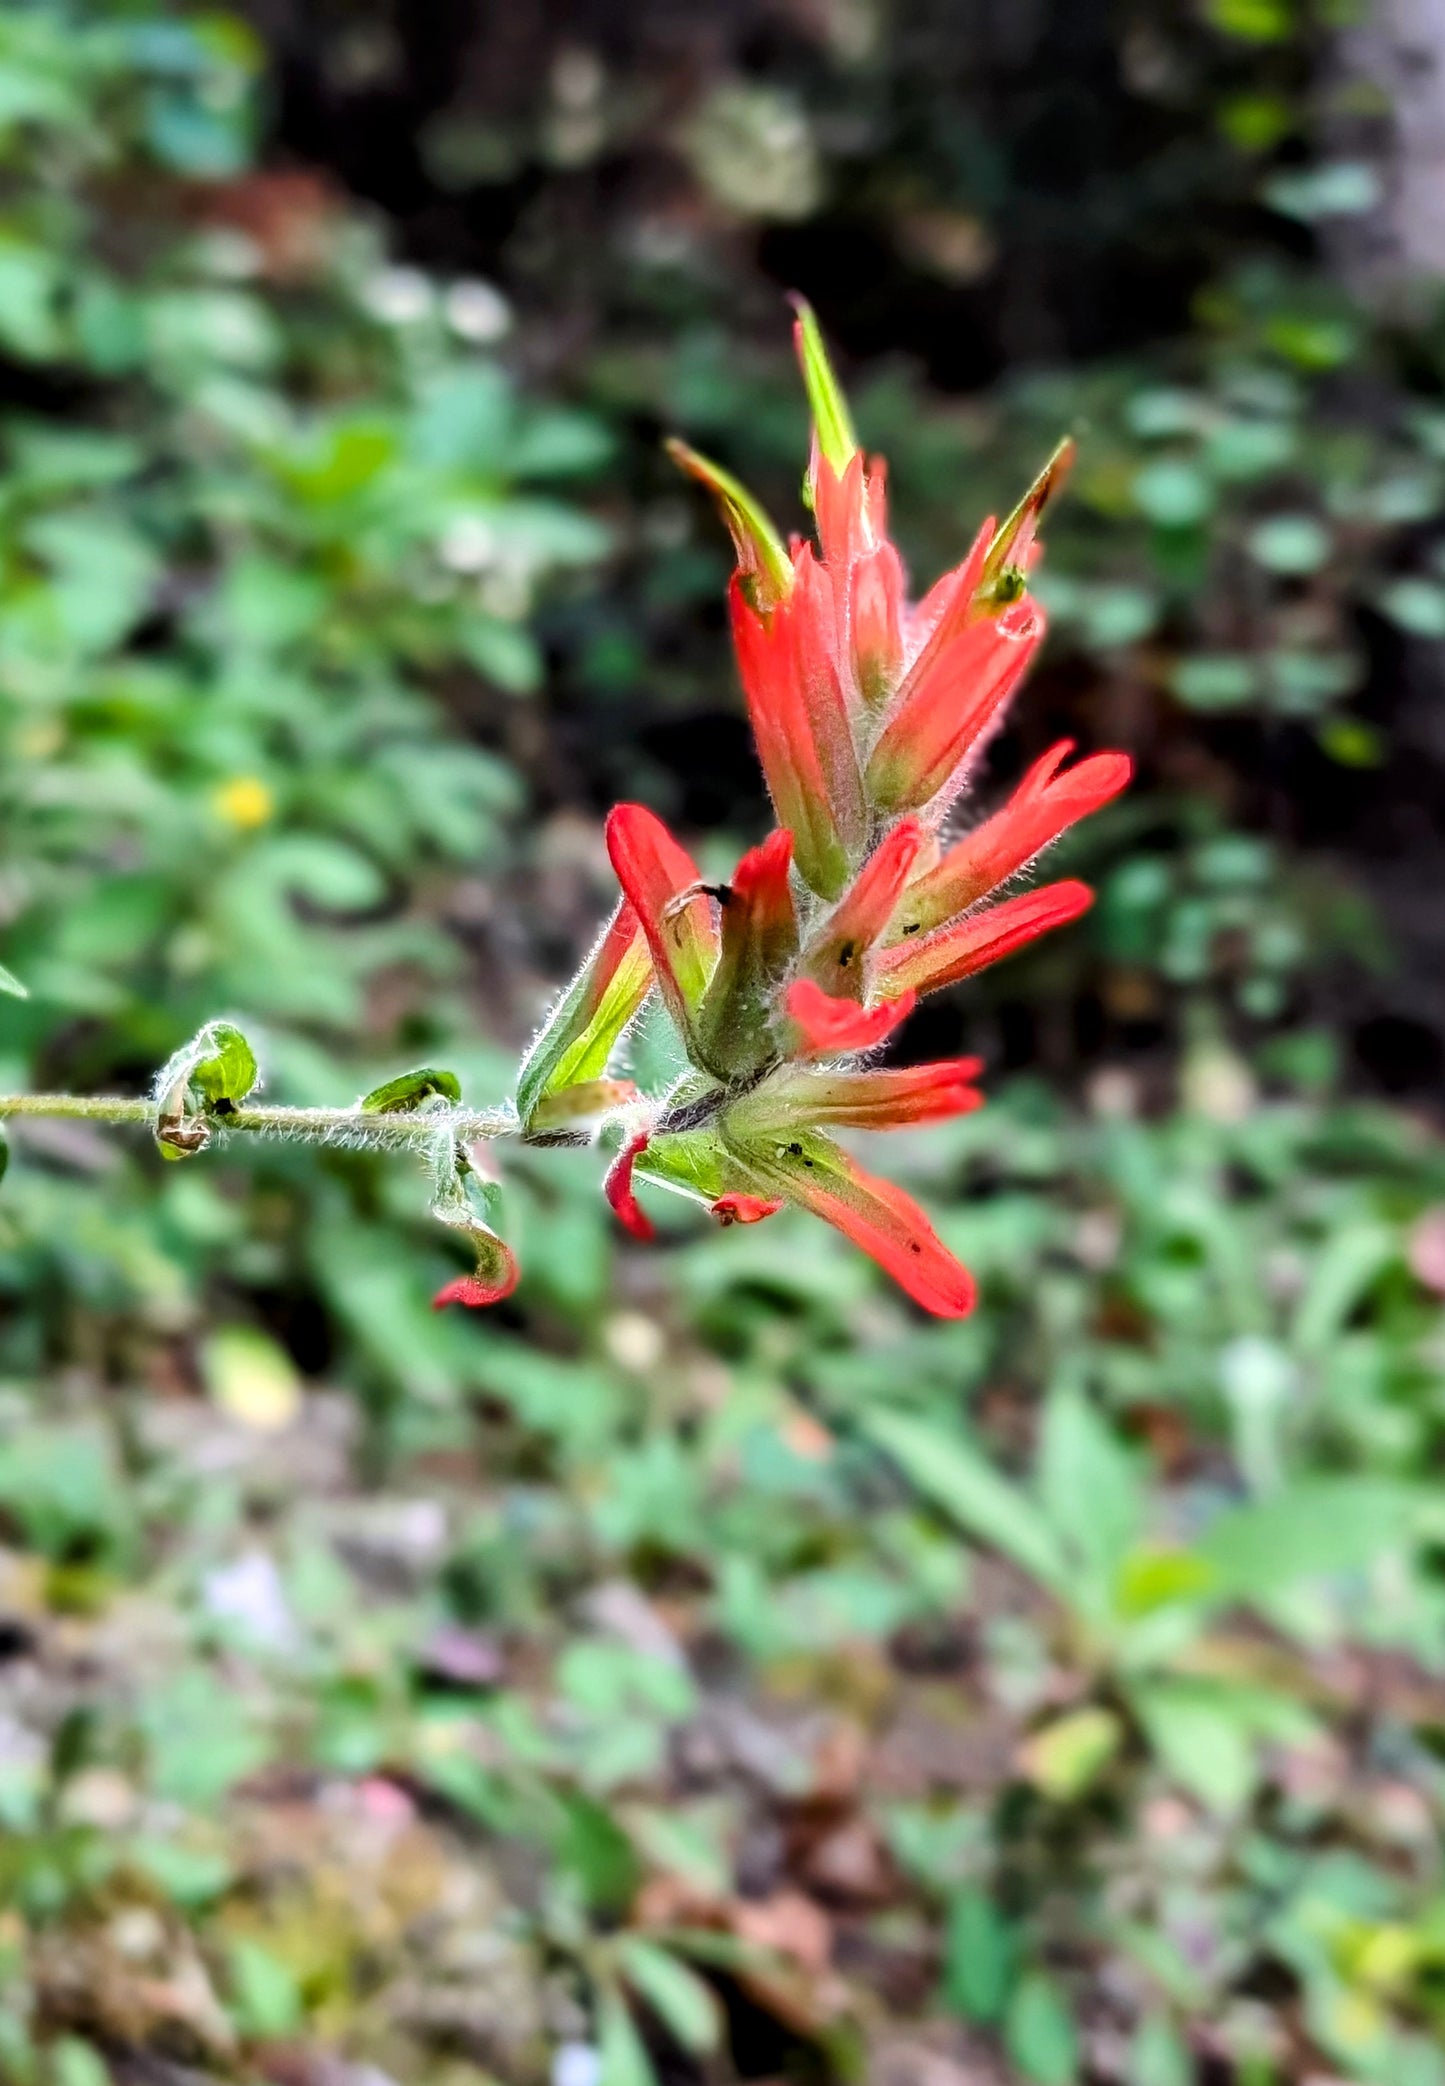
(313, 1125)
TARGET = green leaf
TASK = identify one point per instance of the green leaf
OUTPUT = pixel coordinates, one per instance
(1200, 1738)
(410, 1090)
(686, 2006)
(1039, 2032)
(265, 1997)
(623, 2054)
(831, 418)
(227, 1073)
(966, 1486)
(4, 1154)
(978, 1957)
(1066, 1757)
(1319, 1527)
(11, 984)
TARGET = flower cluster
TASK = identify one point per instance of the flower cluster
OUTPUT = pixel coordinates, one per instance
(869, 714)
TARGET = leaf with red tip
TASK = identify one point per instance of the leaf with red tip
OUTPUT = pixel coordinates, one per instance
(950, 698)
(476, 1291)
(876, 593)
(811, 1170)
(581, 1032)
(620, 1193)
(931, 961)
(828, 1027)
(759, 942)
(465, 1200)
(1043, 806)
(664, 887)
(744, 1209)
(764, 566)
(835, 957)
(892, 1099)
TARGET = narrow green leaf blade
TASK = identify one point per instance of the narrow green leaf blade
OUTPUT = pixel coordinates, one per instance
(970, 1491)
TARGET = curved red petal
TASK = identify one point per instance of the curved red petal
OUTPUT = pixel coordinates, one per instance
(875, 1214)
(931, 961)
(829, 1027)
(1050, 799)
(835, 958)
(620, 1193)
(949, 699)
(655, 871)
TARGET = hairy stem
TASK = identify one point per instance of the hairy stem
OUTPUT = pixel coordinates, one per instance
(311, 1125)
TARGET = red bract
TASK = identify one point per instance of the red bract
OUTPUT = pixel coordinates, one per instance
(869, 714)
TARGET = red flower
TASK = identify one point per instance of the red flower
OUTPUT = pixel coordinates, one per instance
(868, 714)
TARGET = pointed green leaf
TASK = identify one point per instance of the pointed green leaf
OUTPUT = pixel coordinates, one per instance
(685, 2005)
(623, 2054)
(11, 984)
(966, 1486)
(409, 1090)
(831, 418)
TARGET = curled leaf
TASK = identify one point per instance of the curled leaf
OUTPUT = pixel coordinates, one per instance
(467, 1202)
(208, 1078)
(410, 1091)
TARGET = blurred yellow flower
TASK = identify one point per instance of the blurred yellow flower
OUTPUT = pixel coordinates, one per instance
(244, 801)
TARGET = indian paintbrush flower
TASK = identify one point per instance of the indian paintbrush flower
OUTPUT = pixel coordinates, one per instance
(869, 713)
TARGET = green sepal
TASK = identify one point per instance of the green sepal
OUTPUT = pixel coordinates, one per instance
(410, 1091)
(832, 421)
(575, 1042)
(763, 557)
(999, 581)
(11, 984)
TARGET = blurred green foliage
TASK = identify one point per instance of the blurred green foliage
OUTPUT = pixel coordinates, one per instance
(702, 1668)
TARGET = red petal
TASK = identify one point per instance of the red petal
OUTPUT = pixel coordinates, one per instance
(949, 698)
(788, 662)
(835, 958)
(895, 1099)
(931, 961)
(829, 1027)
(620, 1193)
(759, 942)
(743, 1209)
(655, 870)
(873, 1213)
(1045, 803)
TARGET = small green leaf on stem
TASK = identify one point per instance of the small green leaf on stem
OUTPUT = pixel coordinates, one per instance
(410, 1090)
